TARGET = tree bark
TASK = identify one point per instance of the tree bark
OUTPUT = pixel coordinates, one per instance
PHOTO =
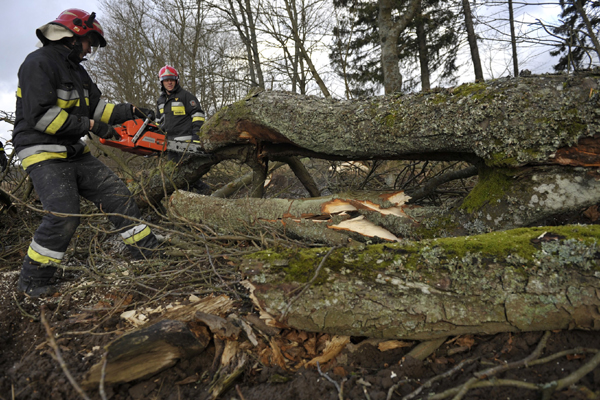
(423, 53)
(389, 30)
(523, 134)
(513, 38)
(332, 220)
(513, 281)
(472, 38)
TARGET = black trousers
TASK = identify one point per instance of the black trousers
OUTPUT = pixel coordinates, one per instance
(59, 183)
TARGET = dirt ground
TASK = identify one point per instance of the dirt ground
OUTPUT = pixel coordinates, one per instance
(85, 320)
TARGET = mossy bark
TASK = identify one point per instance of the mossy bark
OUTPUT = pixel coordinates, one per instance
(306, 219)
(504, 122)
(513, 281)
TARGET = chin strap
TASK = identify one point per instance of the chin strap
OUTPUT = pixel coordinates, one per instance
(76, 51)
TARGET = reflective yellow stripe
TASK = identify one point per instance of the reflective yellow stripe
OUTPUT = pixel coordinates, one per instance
(67, 104)
(19, 92)
(197, 119)
(58, 122)
(180, 110)
(36, 158)
(35, 256)
(138, 236)
(108, 110)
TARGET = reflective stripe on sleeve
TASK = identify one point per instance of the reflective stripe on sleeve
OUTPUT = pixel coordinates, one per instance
(198, 116)
(135, 234)
(43, 255)
(103, 111)
(42, 152)
(52, 120)
(67, 98)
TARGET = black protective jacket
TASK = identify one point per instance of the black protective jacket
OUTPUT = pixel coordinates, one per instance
(56, 98)
(3, 160)
(181, 114)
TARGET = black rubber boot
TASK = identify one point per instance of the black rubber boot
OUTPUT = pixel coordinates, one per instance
(36, 287)
(36, 279)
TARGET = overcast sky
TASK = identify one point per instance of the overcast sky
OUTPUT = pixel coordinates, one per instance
(17, 30)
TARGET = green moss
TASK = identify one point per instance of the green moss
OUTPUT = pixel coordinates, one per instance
(300, 265)
(439, 99)
(501, 159)
(430, 260)
(516, 243)
(477, 91)
(492, 185)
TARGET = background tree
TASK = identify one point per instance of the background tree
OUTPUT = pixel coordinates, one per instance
(430, 40)
(472, 38)
(579, 46)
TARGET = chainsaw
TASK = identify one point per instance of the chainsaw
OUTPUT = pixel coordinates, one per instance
(144, 138)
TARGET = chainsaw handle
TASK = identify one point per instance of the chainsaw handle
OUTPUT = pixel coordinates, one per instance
(140, 131)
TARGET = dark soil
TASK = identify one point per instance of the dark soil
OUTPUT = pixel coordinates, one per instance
(83, 324)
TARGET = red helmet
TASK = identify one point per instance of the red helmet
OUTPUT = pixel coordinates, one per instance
(168, 72)
(80, 23)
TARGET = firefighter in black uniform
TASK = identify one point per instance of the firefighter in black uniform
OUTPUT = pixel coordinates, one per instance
(3, 160)
(57, 104)
(179, 111)
(180, 115)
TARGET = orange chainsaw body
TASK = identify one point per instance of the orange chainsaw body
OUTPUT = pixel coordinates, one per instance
(150, 141)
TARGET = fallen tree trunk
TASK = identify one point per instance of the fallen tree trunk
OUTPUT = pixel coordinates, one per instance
(524, 135)
(520, 280)
(506, 122)
(331, 220)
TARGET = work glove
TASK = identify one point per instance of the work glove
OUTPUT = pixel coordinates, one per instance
(143, 113)
(105, 131)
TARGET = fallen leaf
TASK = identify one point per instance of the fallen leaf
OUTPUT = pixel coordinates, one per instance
(592, 213)
(465, 341)
(393, 344)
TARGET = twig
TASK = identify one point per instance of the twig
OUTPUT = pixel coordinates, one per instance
(394, 387)
(59, 357)
(103, 376)
(464, 389)
(573, 378)
(431, 381)
(501, 368)
(308, 284)
(23, 312)
(577, 350)
(239, 392)
(324, 375)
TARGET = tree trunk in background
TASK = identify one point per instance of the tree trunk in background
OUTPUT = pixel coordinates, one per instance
(513, 38)
(588, 25)
(388, 34)
(423, 55)
(472, 38)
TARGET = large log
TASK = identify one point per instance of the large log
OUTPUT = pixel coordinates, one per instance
(331, 220)
(525, 135)
(513, 281)
(504, 122)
